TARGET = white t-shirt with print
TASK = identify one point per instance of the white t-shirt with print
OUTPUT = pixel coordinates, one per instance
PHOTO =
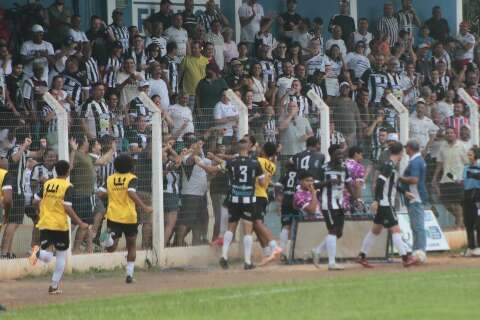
(222, 111)
(29, 48)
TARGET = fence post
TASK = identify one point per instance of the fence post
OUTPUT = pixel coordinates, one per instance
(473, 115)
(63, 154)
(324, 122)
(158, 228)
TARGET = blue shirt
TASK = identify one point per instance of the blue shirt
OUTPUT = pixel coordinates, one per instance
(470, 183)
(417, 168)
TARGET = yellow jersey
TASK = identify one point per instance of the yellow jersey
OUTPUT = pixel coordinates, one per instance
(54, 194)
(121, 208)
(4, 183)
(267, 167)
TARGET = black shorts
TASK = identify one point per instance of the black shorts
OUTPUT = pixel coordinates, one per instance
(83, 206)
(237, 211)
(386, 217)
(59, 239)
(288, 215)
(17, 211)
(191, 210)
(335, 219)
(128, 229)
(260, 208)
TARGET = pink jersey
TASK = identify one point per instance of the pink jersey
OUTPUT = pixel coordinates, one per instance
(302, 199)
(356, 170)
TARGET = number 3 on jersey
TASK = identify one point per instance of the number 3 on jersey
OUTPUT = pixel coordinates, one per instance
(243, 174)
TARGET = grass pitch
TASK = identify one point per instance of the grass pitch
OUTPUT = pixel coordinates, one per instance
(453, 294)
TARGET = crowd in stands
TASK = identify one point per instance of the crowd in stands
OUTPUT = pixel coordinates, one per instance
(186, 60)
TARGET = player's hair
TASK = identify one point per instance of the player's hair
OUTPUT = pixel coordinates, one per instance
(270, 149)
(304, 174)
(62, 167)
(123, 163)
(172, 45)
(312, 142)
(353, 150)
(396, 148)
(333, 148)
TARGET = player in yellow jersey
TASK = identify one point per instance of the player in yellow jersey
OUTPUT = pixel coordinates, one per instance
(55, 201)
(121, 211)
(271, 250)
(6, 194)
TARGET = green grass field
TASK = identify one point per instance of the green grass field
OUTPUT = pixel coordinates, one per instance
(452, 295)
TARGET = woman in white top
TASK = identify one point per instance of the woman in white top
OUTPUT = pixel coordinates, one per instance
(336, 61)
(127, 81)
(255, 83)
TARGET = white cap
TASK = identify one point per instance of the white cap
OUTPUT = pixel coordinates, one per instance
(37, 28)
(344, 83)
(143, 83)
(392, 137)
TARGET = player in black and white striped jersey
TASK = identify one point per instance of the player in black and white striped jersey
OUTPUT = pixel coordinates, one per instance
(242, 173)
(117, 31)
(114, 63)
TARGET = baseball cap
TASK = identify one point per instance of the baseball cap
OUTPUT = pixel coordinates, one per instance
(421, 100)
(37, 28)
(144, 83)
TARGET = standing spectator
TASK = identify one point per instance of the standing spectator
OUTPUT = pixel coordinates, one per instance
(295, 94)
(75, 31)
(466, 45)
(164, 15)
(90, 64)
(212, 12)
(138, 54)
(288, 21)
(114, 63)
(302, 35)
(37, 50)
(190, 20)
(172, 65)
(294, 131)
(284, 83)
(158, 86)
(157, 37)
(236, 78)
(344, 21)
(357, 60)
(450, 162)
(33, 90)
(171, 188)
(117, 31)
(408, 18)
(376, 80)
(192, 70)
(362, 35)
(388, 24)
(5, 60)
(73, 83)
(98, 37)
(437, 25)
(136, 108)
(59, 22)
(127, 81)
(421, 128)
(209, 92)
(230, 50)
(337, 39)
(317, 59)
(356, 171)
(178, 35)
(457, 120)
(182, 119)
(119, 118)
(48, 115)
(471, 186)
(346, 115)
(215, 37)
(226, 117)
(250, 14)
(95, 118)
(413, 180)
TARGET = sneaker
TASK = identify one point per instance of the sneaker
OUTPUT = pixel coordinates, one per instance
(34, 255)
(129, 279)
(316, 259)
(247, 266)
(335, 267)
(476, 252)
(364, 262)
(410, 261)
(223, 263)
(54, 291)
(468, 252)
(217, 242)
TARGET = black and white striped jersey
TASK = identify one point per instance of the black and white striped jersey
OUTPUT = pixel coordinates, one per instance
(16, 170)
(104, 171)
(161, 42)
(50, 125)
(377, 82)
(120, 33)
(171, 178)
(137, 108)
(98, 117)
(91, 68)
(40, 172)
(111, 71)
(73, 87)
(268, 71)
(302, 103)
(139, 58)
(270, 130)
(172, 65)
(386, 187)
(311, 161)
(118, 125)
(206, 20)
(242, 174)
(332, 193)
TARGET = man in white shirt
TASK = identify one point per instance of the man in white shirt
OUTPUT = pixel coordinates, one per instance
(357, 61)
(250, 13)
(182, 117)
(285, 82)
(422, 128)
(466, 44)
(37, 50)
(216, 38)
(158, 86)
(178, 35)
(362, 35)
(317, 61)
(337, 39)
(77, 34)
(226, 117)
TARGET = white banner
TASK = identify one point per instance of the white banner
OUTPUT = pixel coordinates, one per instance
(436, 240)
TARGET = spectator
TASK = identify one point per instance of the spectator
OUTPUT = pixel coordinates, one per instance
(117, 31)
(346, 114)
(335, 61)
(75, 32)
(337, 39)
(156, 37)
(437, 25)
(119, 118)
(215, 37)
(236, 78)
(182, 120)
(5, 60)
(137, 53)
(279, 57)
(471, 185)
(192, 70)
(98, 37)
(457, 120)
(317, 30)
(410, 82)
(294, 131)
(388, 24)
(33, 90)
(164, 16)
(362, 35)
(59, 22)
(230, 50)
(90, 64)
(424, 37)
(48, 115)
(288, 21)
(376, 80)
(465, 137)
(159, 87)
(450, 162)
(302, 35)
(270, 129)
(95, 117)
(408, 18)
(37, 51)
(466, 44)
(171, 187)
(212, 12)
(136, 108)
(250, 14)
(177, 34)
(190, 20)
(353, 202)
(226, 118)
(357, 60)
(284, 83)
(344, 21)
(295, 94)
(73, 84)
(317, 59)
(265, 36)
(127, 81)
(114, 64)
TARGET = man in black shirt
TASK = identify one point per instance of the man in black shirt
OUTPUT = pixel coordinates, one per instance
(344, 21)
(164, 15)
(289, 20)
(242, 173)
(190, 20)
(437, 25)
(310, 160)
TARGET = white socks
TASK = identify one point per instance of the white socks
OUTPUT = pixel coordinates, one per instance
(45, 256)
(284, 239)
(130, 268)
(223, 219)
(247, 248)
(398, 243)
(227, 239)
(59, 268)
(331, 248)
(367, 243)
